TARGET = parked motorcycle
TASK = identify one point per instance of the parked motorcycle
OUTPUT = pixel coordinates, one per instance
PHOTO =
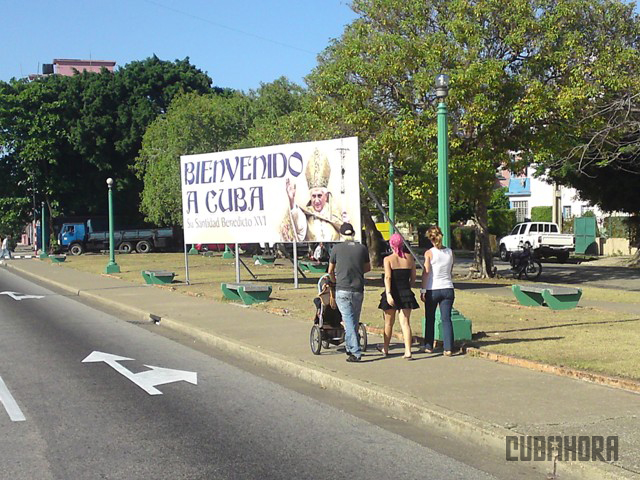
(524, 262)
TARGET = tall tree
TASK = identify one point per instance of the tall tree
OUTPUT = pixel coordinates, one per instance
(602, 161)
(193, 124)
(34, 141)
(64, 136)
(522, 72)
(206, 123)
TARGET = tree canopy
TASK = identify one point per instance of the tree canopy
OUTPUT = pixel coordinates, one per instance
(197, 123)
(63, 136)
(522, 74)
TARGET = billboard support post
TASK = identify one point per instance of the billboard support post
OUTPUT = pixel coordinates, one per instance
(237, 264)
(186, 263)
(295, 264)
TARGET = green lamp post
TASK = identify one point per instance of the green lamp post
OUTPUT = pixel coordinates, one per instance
(392, 203)
(442, 89)
(112, 266)
(44, 234)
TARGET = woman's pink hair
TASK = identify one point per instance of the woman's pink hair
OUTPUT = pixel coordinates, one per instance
(397, 244)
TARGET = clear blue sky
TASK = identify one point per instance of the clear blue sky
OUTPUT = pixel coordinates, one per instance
(239, 43)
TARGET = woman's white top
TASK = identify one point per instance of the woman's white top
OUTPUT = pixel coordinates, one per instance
(440, 275)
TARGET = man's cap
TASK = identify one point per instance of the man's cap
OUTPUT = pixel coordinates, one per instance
(347, 229)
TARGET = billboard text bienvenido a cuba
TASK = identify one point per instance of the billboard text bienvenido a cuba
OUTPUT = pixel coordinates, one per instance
(298, 192)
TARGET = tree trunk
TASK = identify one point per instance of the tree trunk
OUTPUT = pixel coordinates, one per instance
(373, 237)
(483, 258)
(52, 236)
(634, 240)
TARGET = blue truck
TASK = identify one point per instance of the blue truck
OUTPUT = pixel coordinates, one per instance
(79, 237)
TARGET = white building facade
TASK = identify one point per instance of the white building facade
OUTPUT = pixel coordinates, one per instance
(526, 191)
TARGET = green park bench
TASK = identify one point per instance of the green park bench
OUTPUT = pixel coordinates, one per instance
(552, 296)
(158, 277)
(247, 293)
(264, 259)
(314, 267)
(57, 258)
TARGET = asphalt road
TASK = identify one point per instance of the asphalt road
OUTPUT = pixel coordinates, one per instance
(91, 421)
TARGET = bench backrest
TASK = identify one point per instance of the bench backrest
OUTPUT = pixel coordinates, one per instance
(248, 287)
(159, 273)
(553, 289)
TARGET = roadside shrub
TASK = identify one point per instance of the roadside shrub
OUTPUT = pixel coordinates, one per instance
(567, 225)
(15, 213)
(633, 223)
(618, 227)
(541, 214)
(501, 221)
(463, 238)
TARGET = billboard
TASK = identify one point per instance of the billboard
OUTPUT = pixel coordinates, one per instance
(280, 193)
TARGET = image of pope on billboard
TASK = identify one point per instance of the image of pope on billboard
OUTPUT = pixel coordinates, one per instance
(300, 192)
(319, 214)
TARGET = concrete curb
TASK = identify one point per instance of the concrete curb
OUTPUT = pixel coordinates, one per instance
(406, 408)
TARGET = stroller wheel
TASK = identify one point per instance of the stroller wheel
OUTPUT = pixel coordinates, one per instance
(362, 336)
(315, 340)
(326, 343)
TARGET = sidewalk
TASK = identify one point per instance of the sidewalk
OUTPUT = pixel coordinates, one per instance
(466, 396)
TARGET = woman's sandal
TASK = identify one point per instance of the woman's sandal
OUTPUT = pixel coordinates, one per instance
(447, 353)
(380, 348)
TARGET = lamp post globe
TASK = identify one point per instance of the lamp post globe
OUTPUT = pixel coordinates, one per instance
(442, 90)
(112, 266)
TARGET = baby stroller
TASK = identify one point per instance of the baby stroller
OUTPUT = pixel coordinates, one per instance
(328, 328)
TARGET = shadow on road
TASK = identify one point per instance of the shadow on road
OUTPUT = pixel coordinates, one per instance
(478, 286)
(596, 276)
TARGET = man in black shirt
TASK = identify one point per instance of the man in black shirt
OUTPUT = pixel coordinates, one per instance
(348, 263)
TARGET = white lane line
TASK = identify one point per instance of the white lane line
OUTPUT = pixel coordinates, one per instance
(20, 296)
(10, 405)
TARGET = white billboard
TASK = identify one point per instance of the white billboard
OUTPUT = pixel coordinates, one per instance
(302, 191)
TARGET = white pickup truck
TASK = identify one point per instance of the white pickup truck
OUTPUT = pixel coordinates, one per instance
(544, 238)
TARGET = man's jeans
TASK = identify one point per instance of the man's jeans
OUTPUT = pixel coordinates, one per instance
(443, 297)
(350, 305)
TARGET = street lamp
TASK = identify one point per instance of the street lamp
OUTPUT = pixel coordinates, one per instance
(442, 89)
(392, 203)
(44, 235)
(112, 266)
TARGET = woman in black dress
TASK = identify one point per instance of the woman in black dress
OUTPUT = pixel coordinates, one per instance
(399, 278)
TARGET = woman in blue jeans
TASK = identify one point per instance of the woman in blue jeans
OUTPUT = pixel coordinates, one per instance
(437, 290)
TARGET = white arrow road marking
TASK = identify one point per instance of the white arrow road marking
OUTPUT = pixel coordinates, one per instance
(20, 296)
(145, 380)
(15, 414)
